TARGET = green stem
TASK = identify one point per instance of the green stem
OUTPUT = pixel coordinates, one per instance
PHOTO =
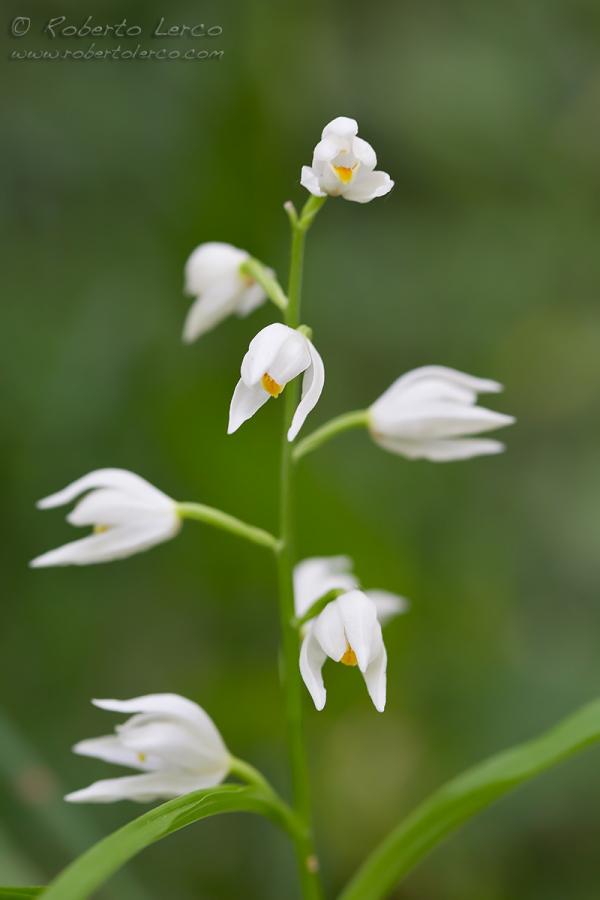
(357, 419)
(290, 644)
(261, 274)
(218, 519)
(247, 773)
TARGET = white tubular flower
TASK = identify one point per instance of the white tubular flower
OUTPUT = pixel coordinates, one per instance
(275, 356)
(213, 277)
(316, 576)
(427, 413)
(170, 739)
(127, 513)
(343, 165)
(347, 631)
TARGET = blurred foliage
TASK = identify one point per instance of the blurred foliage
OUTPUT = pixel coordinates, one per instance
(484, 257)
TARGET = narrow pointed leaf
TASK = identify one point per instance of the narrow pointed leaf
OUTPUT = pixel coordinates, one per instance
(94, 867)
(19, 893)
(465, 796)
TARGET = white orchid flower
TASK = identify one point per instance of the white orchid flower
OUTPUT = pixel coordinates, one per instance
(316, 576)
(427, 414)
(213, 277)
(169, 738)
(343, 165)
(275, 356)
(128, 515)
(347, 631)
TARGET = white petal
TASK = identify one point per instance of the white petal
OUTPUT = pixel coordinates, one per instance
(312, 658)
(244, 403)
(112, 750)
(387, 604)
(292, 358)
(328, 629)
(452, 376)
(440, 420)
(114, 478)
(441, 450)
(341, 127)
(116, 543)
(144, 788)
(326, 150)
(106, 506)
(312, 386)
(174, 741)
(314, 577)
(210, 262)
(175, 706)
(364, 153)
(262, 351)
(375, 678)
(423, 392)
(371, 185)
(251, 298)
(209, 309)
(310, 181)
(362, 630)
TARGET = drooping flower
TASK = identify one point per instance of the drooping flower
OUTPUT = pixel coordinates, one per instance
(172, 740)
(430, 412)
(343, 165)
(275, 356)
(347, 631)
(213, 277)
(316, 576)
(127, 513)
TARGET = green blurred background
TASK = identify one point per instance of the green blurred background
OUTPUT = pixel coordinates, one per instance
(484, 257)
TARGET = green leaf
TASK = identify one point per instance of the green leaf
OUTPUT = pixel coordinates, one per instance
(464, 797)
(18, 893)
(95, 866)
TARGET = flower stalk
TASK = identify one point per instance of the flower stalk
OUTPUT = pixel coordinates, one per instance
(265, 278)
(357, 419)
(290, 643)
(218, 519)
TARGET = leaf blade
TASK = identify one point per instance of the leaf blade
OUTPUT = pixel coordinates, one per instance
(19, 893)
(103, 859)
(462, 797)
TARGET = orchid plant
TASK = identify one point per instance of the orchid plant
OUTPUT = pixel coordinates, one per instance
(430, 413)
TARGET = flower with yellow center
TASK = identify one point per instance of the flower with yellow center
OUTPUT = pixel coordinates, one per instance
(275, 356)
(172, 740)
(126, 512)
(343, 165)
(349, 632)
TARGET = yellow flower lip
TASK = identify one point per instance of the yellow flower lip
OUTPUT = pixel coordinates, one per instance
(271, 386)
(100, 529)
(345, 173)
(141, 757)
(349, 657)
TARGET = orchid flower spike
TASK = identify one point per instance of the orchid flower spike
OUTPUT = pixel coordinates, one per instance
(427, 414)
(169, 738)
(347, 631)
(318, 575)
(127, 513)
(213, 277)
(275, 356)
(343, 165)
